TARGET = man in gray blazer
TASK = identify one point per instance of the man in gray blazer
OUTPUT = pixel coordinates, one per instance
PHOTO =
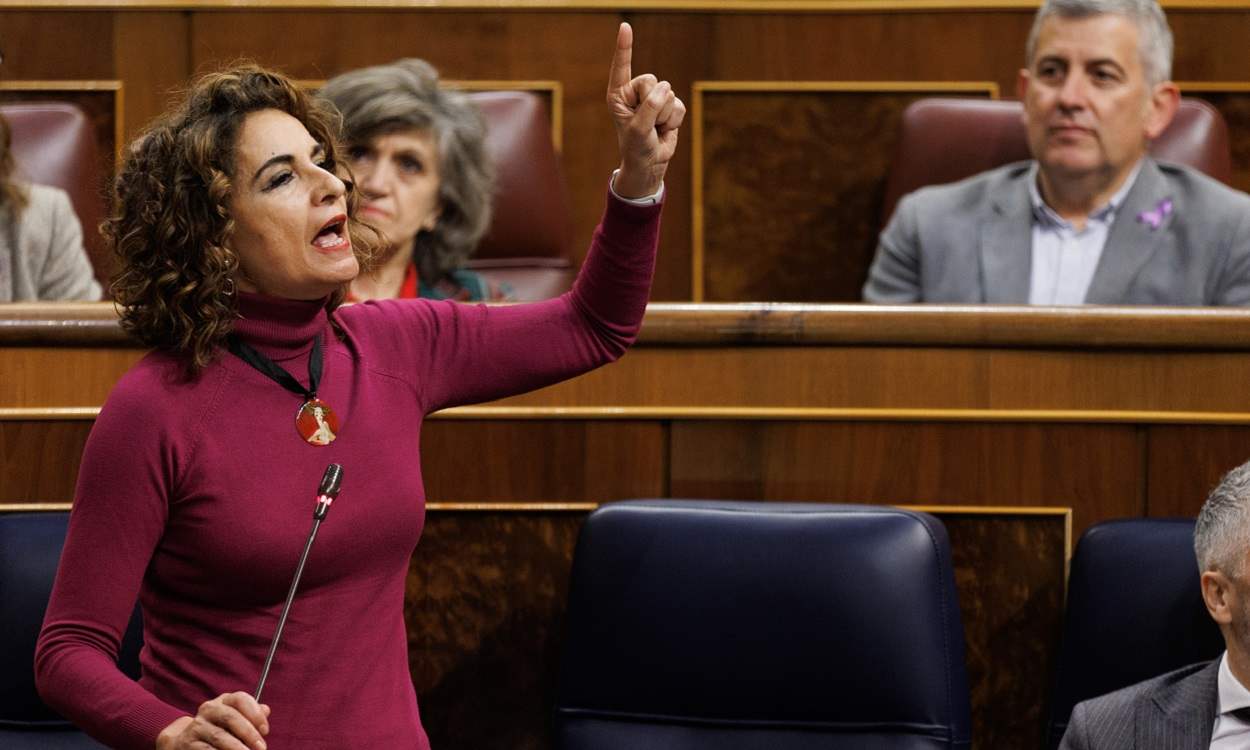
(1092, 219)
(1203, 706)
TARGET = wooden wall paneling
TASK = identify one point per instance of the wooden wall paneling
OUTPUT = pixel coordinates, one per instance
(1096, 469)
(152, 55)
(39, 458)
(794, 217)
(52, 44)
(1011, 574)
(53, 377)
(485, 599)
(1187, 461)
(542, 460)
(486, 595)
(1206, 47)
(1232, 99)
(923, 382)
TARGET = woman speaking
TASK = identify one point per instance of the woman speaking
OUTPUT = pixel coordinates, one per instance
(238, 237)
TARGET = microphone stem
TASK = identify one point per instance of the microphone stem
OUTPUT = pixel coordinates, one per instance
(286, 608)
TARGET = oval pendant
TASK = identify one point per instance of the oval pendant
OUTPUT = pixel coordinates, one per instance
(316, 422)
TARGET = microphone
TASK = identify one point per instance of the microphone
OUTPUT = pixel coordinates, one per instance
(331, 482)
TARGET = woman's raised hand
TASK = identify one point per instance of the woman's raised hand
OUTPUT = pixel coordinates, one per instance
(646, 114)
(231, 721)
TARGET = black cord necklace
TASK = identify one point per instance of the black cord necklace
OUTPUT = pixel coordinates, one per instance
(315, 421)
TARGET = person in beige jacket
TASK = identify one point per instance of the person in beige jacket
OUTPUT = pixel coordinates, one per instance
(41, 250)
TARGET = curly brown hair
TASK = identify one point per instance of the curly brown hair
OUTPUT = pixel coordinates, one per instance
(12, 195)
(171, 222)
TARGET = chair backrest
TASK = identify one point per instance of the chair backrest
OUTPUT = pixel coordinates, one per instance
(1134, 611)
(30, 549)
(527, 246)
(945, 140)
(695, 625)
(54, 144)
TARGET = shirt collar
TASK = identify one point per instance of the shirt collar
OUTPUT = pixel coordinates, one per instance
(1044, 214)
(1233, 695)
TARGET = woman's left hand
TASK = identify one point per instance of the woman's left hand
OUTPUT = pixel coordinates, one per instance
(646, 114)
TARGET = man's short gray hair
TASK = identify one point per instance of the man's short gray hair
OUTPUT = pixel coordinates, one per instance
(407, 95)
(1154, 38)
(1222, 532)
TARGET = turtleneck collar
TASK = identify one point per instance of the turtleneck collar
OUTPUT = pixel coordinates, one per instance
(279, 327)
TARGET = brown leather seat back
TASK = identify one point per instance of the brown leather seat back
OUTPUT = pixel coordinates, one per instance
(54, 144)
(944, 140)
(528, 242)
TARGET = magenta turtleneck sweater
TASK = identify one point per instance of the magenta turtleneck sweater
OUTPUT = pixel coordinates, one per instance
(196, 497)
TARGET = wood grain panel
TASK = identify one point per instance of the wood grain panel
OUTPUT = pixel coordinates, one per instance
(486, 595)
(1187, 461)
(1010, 574)
(545, 461)
(795, 221)
(1110, 385)
(1097, 470)
(139, 39)
(56, 377)
(916, 378)
(39, 459)
(56, 44)
(485, 599)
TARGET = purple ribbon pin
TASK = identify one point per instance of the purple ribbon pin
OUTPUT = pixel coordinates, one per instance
(1155, 218)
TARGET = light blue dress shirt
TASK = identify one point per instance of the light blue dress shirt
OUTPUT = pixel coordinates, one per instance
(1064, 258)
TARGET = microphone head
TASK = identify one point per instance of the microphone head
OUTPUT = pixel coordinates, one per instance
(331, 481)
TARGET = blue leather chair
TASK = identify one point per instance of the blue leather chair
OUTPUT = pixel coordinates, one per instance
(1134, 612)
(701, 625)
(30, 548)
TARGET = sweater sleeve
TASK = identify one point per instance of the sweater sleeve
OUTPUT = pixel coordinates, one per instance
(120, 510)
(461, 354)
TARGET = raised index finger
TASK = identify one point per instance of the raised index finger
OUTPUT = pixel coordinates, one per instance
(622, 60)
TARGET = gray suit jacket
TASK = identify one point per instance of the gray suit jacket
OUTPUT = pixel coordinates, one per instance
(1173, 712)
(41, 254)
(971, 241)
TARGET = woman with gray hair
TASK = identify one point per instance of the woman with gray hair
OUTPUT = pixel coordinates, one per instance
(418, 153)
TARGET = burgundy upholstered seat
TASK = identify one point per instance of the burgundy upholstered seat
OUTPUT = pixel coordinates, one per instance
(54, 144)
(944, 140)
(528, 242)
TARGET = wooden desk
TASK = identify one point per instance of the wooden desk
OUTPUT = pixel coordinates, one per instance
(1010, 414)
(1113, 411)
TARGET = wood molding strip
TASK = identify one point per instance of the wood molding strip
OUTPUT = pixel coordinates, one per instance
(754, 324)
(544, 507)
(741, 413)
